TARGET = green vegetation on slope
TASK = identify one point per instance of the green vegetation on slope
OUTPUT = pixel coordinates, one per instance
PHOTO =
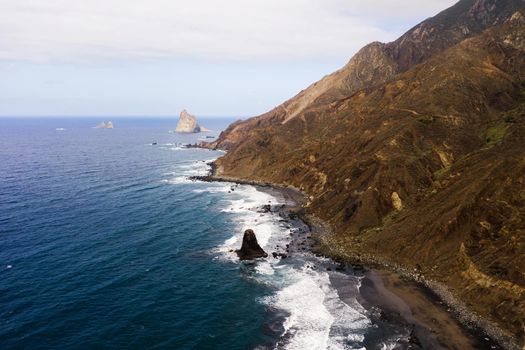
(496, 133)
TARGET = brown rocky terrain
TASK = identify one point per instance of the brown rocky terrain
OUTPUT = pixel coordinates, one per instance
(414, 153)
(378, 63)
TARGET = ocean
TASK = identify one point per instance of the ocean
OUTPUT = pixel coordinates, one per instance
(106, 243)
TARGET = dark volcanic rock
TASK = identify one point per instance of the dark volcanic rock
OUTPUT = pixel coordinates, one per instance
(267, 208)
(414, 340)
(250, 248)
(279, 255)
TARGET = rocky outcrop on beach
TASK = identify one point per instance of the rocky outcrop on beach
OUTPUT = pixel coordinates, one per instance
(188, 124)
(413, 153)
(250, 248)
(105, 125)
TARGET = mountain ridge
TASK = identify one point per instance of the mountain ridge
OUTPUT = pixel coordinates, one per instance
(377, 62)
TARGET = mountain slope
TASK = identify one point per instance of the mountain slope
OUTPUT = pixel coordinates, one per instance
(378, 63)
(425, 169)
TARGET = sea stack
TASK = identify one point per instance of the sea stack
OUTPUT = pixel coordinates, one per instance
(250, 248)
(104, 125)
(188, 123)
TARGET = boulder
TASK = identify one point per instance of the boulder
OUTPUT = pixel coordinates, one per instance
(250, 249)
(279, 255)
(267, 208)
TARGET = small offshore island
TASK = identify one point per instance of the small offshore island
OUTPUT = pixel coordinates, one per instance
(105, 125)
(188, 124)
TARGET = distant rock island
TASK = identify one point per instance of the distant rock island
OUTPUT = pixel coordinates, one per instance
(188, 124)
(105, 125)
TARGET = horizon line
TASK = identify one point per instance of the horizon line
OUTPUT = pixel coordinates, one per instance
(121, 116)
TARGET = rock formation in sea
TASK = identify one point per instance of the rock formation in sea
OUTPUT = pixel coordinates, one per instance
(105, 125)
(413, 154)
(188, 124)
(250, 248)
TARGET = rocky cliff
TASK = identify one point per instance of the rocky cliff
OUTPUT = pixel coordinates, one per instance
(188, 123)
(413, 153)
(378, 63)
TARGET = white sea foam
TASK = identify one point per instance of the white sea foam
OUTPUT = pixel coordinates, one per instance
(182, 172)
(192, 166)
(214, 189)
(178, 180)
(308, 325)
(350, 321)
(265, 268)
(243, 204)
(317, 317)
(175, 146)
(389, 345)
(232, 241)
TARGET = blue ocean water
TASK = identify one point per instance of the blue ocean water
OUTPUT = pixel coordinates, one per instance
(106, 244)
(99, 250)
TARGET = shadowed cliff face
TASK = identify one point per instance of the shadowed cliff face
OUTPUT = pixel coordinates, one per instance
(414, 153)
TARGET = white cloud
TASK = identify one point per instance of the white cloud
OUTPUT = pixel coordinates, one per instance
(94, 30)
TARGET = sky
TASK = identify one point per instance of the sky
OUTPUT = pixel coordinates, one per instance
(156, 57)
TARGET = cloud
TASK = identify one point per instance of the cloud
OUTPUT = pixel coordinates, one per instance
(211, 30)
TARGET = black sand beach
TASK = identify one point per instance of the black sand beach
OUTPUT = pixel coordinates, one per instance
(389, 297)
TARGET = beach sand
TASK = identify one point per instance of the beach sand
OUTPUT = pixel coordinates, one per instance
(433, 325)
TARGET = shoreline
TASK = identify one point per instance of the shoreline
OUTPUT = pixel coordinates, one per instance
(474, 324)
(437, 318)
(434, 323)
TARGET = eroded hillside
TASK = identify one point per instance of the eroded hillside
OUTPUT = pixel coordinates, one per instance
(415, 153)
